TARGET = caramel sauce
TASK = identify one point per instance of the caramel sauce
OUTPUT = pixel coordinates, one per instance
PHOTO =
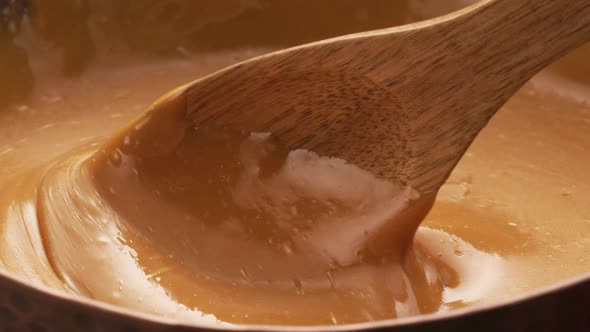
(221, 226)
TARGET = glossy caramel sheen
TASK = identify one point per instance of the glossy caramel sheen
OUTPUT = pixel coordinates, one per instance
(215, 225)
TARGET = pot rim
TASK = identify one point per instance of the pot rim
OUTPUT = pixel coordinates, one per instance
(420, 319)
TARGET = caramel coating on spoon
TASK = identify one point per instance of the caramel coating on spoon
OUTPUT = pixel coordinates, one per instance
(248, 203)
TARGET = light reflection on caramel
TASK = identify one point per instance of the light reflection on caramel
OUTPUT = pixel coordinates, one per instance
(493, 231)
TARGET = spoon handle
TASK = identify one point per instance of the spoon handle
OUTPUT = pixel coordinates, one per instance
(513, 40)
(483, 55)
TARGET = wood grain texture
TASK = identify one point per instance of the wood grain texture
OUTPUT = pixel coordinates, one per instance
(404, 103)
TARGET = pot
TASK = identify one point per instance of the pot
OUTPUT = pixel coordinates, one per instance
(62, 41)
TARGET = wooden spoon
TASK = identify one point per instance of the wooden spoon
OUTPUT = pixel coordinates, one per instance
(404, 103)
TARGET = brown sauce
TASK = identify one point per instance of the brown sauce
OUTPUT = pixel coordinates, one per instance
(224, 224)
